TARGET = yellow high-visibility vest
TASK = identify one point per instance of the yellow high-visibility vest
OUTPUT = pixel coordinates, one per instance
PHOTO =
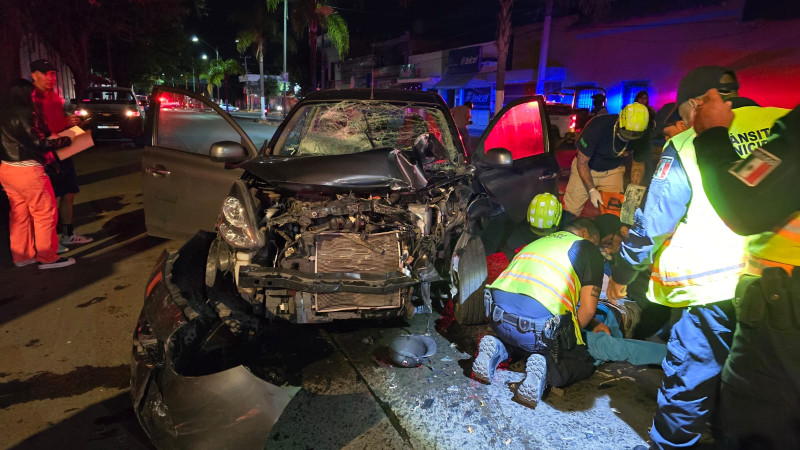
(703, 259)
(543, 271)
(779, 248)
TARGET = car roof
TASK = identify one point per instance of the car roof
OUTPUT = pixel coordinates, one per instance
(402, 95)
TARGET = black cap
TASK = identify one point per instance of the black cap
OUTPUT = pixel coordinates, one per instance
(42, 65)
(700, 80)
(607, 224)
(667, 115)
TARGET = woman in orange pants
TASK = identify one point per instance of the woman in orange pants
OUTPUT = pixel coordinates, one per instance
(24, 152)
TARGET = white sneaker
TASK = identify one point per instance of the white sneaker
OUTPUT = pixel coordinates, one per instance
(75, 239)
(62, 248)
(27, 262)
(60, 262)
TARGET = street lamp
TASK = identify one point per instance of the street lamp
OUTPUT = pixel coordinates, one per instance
(197, 39)
(216, 50)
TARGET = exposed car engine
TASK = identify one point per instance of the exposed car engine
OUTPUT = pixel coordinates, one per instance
(385, 244)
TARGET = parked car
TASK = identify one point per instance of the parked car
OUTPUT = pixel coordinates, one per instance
(568, 111)
(115, 112)
(144, 102)
(359, 205)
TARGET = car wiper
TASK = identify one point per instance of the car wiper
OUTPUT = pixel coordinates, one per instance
(368, 131)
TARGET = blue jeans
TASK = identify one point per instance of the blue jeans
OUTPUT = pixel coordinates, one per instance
(698, 346)
(520, 305)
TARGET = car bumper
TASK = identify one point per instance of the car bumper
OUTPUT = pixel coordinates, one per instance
(228, 409)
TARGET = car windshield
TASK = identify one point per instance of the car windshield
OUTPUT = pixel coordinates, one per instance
(355, 126)
(110, 96)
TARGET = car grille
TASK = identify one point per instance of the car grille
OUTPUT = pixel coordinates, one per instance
(349, 253)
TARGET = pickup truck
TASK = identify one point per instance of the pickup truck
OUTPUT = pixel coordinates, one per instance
(568, 109)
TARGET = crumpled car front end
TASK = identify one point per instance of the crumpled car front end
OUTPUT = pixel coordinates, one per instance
(182, 404)
(354, 240)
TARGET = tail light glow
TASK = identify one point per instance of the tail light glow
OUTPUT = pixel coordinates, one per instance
(573, 119)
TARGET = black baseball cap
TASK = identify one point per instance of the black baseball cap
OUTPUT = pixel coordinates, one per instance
(667, 115)
(607, 224)
(42, 65)
(699, 81)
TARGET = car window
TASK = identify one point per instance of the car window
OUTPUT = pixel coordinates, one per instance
(519, 130)
(355, 126)
(189, 125)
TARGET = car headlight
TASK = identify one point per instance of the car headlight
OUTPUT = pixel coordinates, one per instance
(82, 112)
(237, 223)
(131, 113)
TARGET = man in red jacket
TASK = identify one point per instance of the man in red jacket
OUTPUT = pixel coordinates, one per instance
(65, 181)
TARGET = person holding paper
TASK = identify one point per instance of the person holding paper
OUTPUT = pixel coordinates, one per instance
(65, 178)
(24, 152)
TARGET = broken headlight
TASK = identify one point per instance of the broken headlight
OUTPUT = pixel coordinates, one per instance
(237, 224)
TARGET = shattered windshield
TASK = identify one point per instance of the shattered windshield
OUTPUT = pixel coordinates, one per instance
(355, 126)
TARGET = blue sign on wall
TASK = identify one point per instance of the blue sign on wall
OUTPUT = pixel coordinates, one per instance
(464, 60)
(479, 97)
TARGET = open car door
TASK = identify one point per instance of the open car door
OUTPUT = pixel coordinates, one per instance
(183, 187)
(522, 129)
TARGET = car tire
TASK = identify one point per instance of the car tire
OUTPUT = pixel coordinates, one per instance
(471, 276)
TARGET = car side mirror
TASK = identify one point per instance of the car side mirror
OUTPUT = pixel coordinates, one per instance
(227, 152)
(498, 157)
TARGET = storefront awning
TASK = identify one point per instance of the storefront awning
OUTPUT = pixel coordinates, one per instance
(461, 81)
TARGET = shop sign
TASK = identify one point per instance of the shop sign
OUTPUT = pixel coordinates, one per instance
(464, 60)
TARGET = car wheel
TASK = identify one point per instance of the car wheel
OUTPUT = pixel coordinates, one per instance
(471, 276)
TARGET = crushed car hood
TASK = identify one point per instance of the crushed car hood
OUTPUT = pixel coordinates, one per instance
(384, 168)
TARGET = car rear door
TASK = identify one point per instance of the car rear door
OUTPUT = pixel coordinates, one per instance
(522, 128)
(183, 188)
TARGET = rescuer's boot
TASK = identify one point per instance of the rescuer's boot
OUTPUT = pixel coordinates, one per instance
(490, 353)
(531, 390)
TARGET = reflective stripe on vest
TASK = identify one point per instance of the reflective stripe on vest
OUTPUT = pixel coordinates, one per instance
(543, 271)
(703, 259)
(775, 249)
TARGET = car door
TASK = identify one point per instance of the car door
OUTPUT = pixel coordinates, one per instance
(182, 187)
(522, 128)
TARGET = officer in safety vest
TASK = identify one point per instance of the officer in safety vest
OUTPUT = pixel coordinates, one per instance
(758, 196)
(697, 261)
(533, 306)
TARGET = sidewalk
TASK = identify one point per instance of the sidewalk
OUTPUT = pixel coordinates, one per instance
(255, 116)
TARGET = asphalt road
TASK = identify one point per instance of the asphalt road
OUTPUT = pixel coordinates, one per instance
(195, 131)
(65, 341)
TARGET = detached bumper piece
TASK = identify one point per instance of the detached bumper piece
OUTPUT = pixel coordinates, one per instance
(231, 408)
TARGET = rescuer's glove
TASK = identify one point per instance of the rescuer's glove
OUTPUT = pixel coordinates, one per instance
(595, 197)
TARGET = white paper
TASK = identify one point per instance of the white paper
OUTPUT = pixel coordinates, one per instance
(81, 140)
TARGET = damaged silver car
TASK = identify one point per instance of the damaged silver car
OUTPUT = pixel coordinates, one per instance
(362, 204)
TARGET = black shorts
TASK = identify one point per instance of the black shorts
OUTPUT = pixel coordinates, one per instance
(64, 179)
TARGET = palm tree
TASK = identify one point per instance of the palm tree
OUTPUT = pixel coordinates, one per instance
(259, 25)
(218, 72)
(502, 42)
(317, 16)
(255, 38)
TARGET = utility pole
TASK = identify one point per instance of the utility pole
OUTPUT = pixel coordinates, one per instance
(541, 73)
(284, 75)
(247, 84)
(194, 84)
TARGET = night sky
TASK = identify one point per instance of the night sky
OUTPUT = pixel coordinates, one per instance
(441, 23)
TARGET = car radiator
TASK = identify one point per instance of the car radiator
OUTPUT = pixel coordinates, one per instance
(349, 253)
